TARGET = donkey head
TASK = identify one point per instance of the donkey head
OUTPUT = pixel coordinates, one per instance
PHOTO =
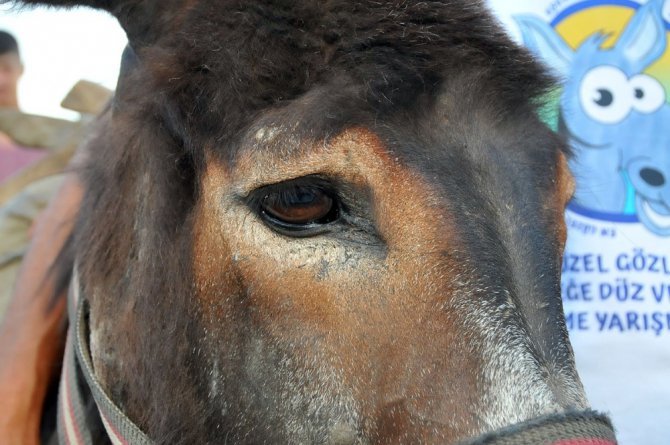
(325, 222)
(611, 111)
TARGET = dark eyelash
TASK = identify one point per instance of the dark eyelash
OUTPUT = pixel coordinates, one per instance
(290, 195)
(288, 190)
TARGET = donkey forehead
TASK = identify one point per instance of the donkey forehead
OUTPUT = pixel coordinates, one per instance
(436, 140)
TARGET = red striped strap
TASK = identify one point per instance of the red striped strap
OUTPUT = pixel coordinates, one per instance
(79, 385)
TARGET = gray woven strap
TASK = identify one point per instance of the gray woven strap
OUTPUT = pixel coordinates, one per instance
(72, 417)
(578, 428)
(78, 381)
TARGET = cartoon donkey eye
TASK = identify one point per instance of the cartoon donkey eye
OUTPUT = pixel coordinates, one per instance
(648, 93)
(605, 94)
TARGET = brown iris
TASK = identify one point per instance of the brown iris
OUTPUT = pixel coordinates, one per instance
(299, 206)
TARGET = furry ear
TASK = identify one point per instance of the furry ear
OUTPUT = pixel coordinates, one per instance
(133, 15)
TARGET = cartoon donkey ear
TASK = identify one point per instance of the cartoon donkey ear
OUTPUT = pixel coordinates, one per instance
(644, 39)
(133, 15)
(545, 43)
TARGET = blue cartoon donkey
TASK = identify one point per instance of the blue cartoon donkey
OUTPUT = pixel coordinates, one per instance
(615, 116)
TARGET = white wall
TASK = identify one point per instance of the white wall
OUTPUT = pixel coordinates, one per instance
(58, 48)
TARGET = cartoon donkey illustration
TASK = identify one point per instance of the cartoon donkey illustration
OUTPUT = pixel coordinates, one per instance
(615, 115)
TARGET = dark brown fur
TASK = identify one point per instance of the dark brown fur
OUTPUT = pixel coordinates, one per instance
(430, 94)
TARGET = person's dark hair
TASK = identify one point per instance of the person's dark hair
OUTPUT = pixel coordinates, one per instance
(8, 43)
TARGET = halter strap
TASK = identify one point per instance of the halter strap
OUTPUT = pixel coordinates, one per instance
(78, 383)
(575, 428)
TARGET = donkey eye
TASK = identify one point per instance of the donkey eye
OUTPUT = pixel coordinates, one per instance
(605, 98)
(298, 206)
(605, 95)
(298, 209)
(649, 93)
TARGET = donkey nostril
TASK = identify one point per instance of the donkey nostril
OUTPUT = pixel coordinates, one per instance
(652, 177)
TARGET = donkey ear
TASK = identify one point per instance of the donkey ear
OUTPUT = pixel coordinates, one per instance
(545, 43)
(644, 39)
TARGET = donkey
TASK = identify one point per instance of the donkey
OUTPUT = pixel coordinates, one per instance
(610, 109)
(327, 222)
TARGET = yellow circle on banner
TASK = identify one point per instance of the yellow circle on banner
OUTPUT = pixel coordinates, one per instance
(610, 20)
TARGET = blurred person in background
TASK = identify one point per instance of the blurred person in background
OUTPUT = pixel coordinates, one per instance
(12, 156)
(11, 69)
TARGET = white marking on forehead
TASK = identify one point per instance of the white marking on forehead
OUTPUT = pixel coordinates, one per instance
(266, 134)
